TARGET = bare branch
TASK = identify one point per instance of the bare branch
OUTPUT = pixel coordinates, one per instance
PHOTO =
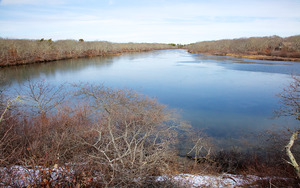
(290, 154)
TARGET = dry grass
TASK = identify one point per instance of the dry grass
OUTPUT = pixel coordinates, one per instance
(20, 52)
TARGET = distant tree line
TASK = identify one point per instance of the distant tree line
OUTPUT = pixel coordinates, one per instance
(20, 51)
(276, 46)
(178, 45)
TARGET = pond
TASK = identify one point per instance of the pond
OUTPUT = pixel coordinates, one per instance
(224, 96)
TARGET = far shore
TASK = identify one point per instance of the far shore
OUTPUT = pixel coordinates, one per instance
(20, 51)
(273, 48)
(246, 56)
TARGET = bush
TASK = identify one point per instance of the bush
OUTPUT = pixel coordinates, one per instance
(120, 136)
(132, 137)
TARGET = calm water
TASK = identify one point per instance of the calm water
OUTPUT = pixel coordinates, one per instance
(224, 96)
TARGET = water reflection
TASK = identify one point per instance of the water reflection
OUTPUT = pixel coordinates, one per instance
(35, 71)
(281, 67)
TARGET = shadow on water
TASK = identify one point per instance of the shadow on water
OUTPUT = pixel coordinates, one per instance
(19, 74)
(22, 73)
(253, 65)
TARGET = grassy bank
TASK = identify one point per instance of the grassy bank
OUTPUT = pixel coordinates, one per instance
(20, 52)
(263, 48)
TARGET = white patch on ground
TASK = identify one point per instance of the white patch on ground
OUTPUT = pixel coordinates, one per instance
(18, 176)
(224, 180)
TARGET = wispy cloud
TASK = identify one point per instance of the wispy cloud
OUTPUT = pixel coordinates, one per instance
(149, 21)
(111, 2)
(30, 2)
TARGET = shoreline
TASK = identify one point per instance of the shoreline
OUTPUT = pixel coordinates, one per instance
(20, 62)
(16, 52)
(247, 56)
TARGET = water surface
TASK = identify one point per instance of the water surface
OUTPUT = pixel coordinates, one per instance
(224, 96)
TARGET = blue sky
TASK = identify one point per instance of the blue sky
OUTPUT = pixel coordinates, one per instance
(178, 21)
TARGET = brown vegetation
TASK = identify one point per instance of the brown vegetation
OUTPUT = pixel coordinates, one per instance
(265, 48)
(20, 52)
(101, 137)
(118, 136)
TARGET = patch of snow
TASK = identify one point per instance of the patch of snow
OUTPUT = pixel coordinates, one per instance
(19, 176)
(224, 180)
(22, 177)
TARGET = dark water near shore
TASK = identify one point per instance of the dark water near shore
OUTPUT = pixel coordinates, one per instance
(224, 96)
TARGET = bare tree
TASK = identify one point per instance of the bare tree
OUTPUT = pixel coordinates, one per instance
(41, 97)
(131, 137)
(288, 147)
(8, 105)
(290, 100)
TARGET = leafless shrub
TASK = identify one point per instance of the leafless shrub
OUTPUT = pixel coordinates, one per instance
(131, 139)
(290, 99)
(41, 97)
(120, 136)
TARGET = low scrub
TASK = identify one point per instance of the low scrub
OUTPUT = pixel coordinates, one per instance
(120, 136)
(276, 46)
(20, 52)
